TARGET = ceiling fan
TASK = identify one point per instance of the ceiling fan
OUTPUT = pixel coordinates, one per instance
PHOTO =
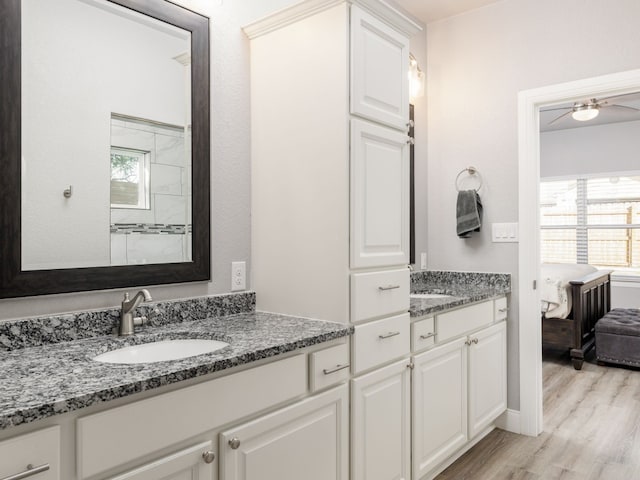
(583, 111)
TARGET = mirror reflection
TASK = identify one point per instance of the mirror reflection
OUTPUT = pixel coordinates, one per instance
(106, 141)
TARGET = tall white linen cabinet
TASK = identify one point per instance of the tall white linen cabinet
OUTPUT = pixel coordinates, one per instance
(330, 199)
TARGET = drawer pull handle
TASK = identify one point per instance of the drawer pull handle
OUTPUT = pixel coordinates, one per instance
(234, 443)
(427, 336)
(503, 310)
(389, 287)
(30, 471)
(388, 335)
(209, 456)
(337, 368)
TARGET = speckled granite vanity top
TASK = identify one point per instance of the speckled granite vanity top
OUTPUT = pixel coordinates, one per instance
(458, 288)
(52, 378)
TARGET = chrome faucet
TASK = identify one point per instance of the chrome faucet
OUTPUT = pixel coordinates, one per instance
(127, 320)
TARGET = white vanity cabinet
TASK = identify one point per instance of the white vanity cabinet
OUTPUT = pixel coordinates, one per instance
(330, 198)
(439, 405)
(306, 440)
(379, 59)
(288, 415)
(195, 463)
(330, 155)
(379, 196)
(459, 386)
(34, 455)
(381, 424)
(487, 377)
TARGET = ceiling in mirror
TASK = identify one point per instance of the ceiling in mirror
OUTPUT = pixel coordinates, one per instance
(105, 145)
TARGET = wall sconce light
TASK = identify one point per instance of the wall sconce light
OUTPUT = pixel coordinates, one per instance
(416, 79)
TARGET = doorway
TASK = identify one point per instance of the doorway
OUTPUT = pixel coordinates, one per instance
(530, 341)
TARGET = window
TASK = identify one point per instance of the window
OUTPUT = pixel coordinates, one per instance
(594, 220)
(129, 178)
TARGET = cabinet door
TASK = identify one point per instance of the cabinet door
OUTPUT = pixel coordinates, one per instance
(380, 424)
(379, 66)
(307, 440)
(379, 196)
(487, 376)
(439, 404)
(40, 450)
(188, 464)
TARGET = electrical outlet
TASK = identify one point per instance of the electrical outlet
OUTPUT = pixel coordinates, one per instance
(238, 276)
(423, 261)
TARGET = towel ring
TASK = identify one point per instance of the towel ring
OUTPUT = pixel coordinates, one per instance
(473, 171)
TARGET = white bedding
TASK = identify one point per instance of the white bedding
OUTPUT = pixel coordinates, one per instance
(556, 292)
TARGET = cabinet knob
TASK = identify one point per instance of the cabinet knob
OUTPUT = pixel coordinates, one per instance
(234, 443)
(208, 456)
(475, 340)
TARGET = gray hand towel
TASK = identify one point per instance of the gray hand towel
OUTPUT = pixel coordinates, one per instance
(468, 213)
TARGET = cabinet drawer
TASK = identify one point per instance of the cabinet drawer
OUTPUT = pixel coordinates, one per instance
(378, 342)
(500, 308)
(378, 294)
(173, 417)
(423, 334)
(459, 322)
(328, 367)
(40, 449)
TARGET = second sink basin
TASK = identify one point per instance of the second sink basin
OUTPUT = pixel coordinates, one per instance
(161, 351)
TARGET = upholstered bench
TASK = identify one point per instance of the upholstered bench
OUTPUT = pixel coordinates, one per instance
(618, 337)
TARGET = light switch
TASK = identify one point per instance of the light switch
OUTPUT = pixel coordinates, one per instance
(504, 232)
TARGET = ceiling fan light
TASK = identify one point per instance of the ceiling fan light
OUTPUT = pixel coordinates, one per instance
(585, 113)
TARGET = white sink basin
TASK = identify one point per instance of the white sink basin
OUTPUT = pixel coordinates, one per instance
(429, 295)
(161, 351)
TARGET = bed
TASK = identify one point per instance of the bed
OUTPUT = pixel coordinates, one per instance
(574, 298)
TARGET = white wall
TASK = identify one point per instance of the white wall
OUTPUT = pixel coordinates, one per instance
(587, 150)
(477, 64)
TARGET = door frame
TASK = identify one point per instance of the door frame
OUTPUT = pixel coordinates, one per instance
(530, 334)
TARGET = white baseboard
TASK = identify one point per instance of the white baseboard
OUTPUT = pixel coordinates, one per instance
(509, 421)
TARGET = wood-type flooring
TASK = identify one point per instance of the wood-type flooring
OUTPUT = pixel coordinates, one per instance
(591, 430)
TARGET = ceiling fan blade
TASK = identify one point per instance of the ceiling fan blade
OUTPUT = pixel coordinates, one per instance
(555, 109)
(624, 106)
(558, 118)
(613, 97)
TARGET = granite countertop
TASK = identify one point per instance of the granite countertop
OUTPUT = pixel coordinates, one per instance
(425, 306)
(46, 380)
(459, 288)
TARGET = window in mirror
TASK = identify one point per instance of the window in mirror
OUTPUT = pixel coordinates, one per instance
(129, 178)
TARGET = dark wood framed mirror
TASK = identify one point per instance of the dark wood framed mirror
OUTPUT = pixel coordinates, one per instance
(39, 278)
